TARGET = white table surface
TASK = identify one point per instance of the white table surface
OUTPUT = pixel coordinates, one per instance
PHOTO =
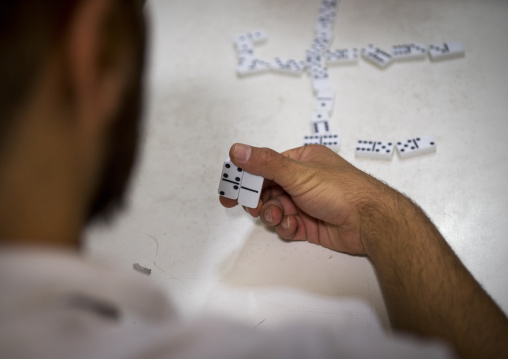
(219, 261)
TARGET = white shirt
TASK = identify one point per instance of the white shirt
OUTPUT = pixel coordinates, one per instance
(56, 304)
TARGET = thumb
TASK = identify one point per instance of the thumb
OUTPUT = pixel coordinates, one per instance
(264, 162)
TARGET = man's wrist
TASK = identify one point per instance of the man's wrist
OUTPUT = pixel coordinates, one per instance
(382, 216)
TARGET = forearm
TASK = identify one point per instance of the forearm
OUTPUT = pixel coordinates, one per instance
(426, 288)
(316, 196)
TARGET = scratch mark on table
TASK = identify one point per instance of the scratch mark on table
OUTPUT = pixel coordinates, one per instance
(260, 323)
(156, 253)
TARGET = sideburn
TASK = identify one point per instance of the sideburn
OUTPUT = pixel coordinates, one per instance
(123, 136)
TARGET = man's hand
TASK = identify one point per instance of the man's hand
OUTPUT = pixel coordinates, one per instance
(312, 194)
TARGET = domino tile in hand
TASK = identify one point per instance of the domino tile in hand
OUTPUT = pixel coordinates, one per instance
(375, 149)
(409, 52)
(250, 190)
(416, 146)
(288, 66)
(320, 123)
(330, 140)
(325, 100)
(446, 50)
(377, 56)
(339, 57)
(231, 178)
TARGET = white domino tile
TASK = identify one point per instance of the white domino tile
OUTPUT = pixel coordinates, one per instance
(320, 79)
(242, 41)
(314, 60)
(320, 123)
(252, 37)
(257, 36)
(231, 178)
(330, 140)
(252, 67)
(325, 101)
(375, 149)
(409, 52)
(321, 44)
(343, 56)
(244, 61)
(325, 33)
(446, 50)
(245, 50)
(321, 84)
(324, 27)
(377, 56)
(288, 66)
(416, 146)
(250, 190)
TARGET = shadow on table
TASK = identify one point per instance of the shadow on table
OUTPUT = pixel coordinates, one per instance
(266, 261)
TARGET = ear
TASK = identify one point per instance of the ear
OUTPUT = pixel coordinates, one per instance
(96, 88)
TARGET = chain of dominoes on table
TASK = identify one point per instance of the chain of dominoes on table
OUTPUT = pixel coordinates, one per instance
(317, 58)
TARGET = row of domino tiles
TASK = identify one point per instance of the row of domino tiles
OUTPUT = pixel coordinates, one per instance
(319, 56)
(247, 187)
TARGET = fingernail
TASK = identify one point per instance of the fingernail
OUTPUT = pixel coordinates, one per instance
(268, 215)
(285, 223)
(242, 152)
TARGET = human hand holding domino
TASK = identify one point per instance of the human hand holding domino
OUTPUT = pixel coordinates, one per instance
(310, 194)
(239, 185)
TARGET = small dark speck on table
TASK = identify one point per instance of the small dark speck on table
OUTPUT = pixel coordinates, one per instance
(142, 269)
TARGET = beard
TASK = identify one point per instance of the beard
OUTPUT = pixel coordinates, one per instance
(122, 138)
(121, 155)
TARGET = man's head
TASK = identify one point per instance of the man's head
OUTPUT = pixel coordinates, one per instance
(70, 102)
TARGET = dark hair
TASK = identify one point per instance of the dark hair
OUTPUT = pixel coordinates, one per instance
(29, 31)
(126, 25)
